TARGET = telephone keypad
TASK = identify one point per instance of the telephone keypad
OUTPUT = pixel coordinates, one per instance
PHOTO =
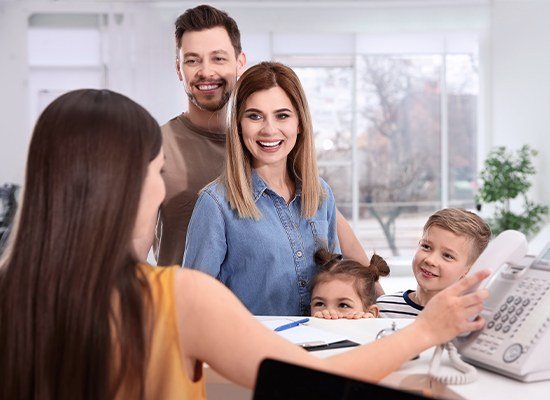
(519, 311)
(487, 343)
(520, 321)
(528, 294)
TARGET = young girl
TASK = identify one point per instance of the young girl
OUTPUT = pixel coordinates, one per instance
(345, 288)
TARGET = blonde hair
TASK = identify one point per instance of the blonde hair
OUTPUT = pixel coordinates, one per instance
(237, 176)
(463, 223)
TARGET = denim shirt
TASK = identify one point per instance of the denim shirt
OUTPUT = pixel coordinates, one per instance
(268, 264)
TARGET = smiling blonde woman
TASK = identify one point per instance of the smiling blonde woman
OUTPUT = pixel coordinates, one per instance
(265, 217)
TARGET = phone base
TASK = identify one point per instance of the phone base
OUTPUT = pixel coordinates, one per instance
(536, 376)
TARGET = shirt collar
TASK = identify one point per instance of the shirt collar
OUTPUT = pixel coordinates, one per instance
(259, 186)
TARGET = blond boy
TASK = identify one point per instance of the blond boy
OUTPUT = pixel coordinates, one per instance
(452, 240)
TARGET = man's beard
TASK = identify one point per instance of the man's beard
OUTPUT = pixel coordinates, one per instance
(209, 106)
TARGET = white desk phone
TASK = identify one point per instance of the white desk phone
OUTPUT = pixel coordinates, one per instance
(515, 341)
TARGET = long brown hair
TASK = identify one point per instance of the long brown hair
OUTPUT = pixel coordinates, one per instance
(302, 164)
(333, 266)
(72, 302)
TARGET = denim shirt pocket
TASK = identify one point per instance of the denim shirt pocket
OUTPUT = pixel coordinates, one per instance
(319, 229)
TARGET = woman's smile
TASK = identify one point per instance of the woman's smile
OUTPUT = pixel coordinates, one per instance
(269, 128)
(270, 146)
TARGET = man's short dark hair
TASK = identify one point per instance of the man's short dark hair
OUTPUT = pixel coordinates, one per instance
(207, 17)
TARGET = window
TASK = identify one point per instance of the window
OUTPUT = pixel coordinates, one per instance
(399, 143)
(329, 91)
(414, 156)
(462, 92)
(395, 131)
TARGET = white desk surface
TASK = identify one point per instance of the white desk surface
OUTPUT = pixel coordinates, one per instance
(411, 376)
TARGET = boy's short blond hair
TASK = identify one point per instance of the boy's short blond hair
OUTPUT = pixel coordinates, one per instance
(463, 223)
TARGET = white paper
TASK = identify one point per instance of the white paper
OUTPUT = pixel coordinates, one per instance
(303, 334)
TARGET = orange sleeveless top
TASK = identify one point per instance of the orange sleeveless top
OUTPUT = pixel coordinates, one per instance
(166, 376)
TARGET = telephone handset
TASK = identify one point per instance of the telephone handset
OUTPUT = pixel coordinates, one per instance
(516, 338)
(506, 249)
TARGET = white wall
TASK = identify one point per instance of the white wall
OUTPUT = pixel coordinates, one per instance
(141, 58)
(520, 80)
(14, 130)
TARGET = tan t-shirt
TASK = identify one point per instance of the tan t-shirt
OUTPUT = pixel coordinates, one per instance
(194, 158)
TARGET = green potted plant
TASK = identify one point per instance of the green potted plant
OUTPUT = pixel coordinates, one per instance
(505, 176)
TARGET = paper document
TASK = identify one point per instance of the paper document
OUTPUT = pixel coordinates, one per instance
(303, 335)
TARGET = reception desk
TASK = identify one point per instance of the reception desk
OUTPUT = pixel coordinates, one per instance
(411, 376)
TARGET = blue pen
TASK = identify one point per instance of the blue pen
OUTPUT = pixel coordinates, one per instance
(291, 325)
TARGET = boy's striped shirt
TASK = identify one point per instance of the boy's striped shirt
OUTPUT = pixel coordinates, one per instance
(398, 305)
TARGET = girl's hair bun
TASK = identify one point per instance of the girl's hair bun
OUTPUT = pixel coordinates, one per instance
(379, 266)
